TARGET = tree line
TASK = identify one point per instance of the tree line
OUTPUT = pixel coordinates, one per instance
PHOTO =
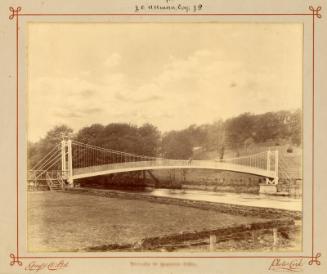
(235, 133)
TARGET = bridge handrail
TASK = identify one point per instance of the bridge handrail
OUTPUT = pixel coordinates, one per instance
(173, 163)
(243, 157)
(37, 174)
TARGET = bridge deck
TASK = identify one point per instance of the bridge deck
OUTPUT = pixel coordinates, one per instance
(92, 171)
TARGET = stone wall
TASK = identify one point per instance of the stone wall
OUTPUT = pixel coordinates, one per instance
(293, 187)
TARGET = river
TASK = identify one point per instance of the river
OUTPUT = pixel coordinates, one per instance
(257, 200)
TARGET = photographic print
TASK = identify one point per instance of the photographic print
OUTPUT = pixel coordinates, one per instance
(164, 137)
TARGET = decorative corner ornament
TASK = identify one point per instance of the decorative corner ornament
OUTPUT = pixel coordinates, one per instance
(14, 260)
(315, 12)
(315, 259)
(14, 12)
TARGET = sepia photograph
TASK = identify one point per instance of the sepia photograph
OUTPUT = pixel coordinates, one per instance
(164, 137)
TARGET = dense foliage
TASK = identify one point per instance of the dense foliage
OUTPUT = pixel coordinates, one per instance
(273, 128)
(235, 133)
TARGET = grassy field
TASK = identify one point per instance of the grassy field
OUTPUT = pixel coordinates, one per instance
(60, 221)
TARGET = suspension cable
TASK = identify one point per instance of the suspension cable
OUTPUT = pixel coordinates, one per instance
(44, 157)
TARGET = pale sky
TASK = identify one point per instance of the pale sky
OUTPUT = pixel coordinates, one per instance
(170, 75)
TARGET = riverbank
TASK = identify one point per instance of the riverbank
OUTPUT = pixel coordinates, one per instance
(228, 204)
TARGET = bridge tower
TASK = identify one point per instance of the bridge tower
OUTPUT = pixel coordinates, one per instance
(270, 186)
(67, 161)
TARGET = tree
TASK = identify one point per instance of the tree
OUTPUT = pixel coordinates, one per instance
(239, 129)
(150, 137)
(197, 135)
(215, 137)
(90, 135)
(177, 145)
(36, 151)
(296, 127)
(124, 137)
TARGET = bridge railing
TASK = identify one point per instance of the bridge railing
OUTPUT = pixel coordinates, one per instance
(40, 174)
(173, 164)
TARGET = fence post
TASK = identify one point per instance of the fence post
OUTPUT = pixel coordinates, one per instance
(212, 242)
(70, 162)
(276, 168)
(275, 238)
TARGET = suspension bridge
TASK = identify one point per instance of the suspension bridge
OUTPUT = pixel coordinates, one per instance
(72, 160)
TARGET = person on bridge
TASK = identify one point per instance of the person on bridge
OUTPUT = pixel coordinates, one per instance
(189, 161)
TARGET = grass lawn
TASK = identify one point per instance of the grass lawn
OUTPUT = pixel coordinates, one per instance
(59, 221)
